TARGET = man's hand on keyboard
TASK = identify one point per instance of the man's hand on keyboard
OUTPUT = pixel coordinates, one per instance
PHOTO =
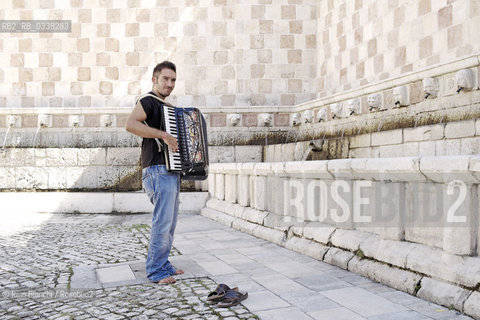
(171, 142)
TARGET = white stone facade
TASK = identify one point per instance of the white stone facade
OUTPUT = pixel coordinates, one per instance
(425, 241)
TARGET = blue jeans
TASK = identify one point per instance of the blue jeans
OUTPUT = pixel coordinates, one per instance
(162, 187)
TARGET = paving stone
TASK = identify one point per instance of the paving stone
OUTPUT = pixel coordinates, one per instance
(363, 302)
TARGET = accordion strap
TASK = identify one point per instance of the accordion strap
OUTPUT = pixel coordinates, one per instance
(159, 143)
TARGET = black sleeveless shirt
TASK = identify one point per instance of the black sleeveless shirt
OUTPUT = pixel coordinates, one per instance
(154, 111)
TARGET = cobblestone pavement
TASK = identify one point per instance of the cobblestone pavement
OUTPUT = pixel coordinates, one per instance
(37, 263)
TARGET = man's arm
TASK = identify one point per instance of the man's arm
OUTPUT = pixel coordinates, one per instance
(135, 124)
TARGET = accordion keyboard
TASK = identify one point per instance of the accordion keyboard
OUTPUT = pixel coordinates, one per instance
(174, 160)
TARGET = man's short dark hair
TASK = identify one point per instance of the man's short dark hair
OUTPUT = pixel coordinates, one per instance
(164, 65)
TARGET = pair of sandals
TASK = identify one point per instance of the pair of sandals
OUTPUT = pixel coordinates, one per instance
(225, 297)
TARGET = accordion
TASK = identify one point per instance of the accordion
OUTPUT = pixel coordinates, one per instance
(188, 126)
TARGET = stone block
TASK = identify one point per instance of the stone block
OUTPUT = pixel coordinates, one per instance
(269, 153)
(474, 167)
(275, 203)
(387, 137)
(437, 131)
(393, 277)
(387, 251)
(426, 149)
(211, 184)
(31, 178)
(287, 152)
(443, 293)
(231, 187)
(254, 216)
(360, 141)
(470, 146)
(379, 207)
(62, 157)
(307, 247)
(248, 154)
(348, 239)
(262, 169)
(225, 219)
(388, 169)
(57, 178)
(238, 211)
(277, 222)
(219, 186)
(477, 127)
(340, 169)
(7, 178)
(447, 147)
(433, 262)
(422, 133)
(243, 186)
(122, 156)
(19, 157)
(461, 216)
(424, 214)
(261, 192)
(244, 226)
(445, 169)
(308, 169)
(472, 305)
(460, 129)
(338, 257)
(319, 232)
(269, 234)
(294, 200)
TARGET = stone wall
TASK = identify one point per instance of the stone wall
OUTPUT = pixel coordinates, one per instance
(227, 53)
(260, 53)
(363, 42)
(408, 222)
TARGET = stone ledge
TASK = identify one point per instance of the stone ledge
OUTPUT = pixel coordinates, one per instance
(90, 202)
(472, 305)
(440, 169)
(444, 169)
(399, 279)
(443, 293)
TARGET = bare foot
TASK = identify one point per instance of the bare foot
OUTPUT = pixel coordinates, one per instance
(167, 280)
(178, 272)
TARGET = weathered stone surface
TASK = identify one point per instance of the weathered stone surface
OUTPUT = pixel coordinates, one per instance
(319, 232)
(460, 129)
(433, 262)
(447, 168)
(472, 305)
(219, 186)
(348, 239)
(382, 169)
(388, 251)
(269, 234)
(338, 257)
(308, 169)
(443, 293)
(396, 278)
(244, 226)
(307, 247)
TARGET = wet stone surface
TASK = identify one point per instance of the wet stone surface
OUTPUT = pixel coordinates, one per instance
(37, 263)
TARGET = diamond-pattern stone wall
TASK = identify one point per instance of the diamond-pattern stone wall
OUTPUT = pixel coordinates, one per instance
(362, 42)
(227, 52)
